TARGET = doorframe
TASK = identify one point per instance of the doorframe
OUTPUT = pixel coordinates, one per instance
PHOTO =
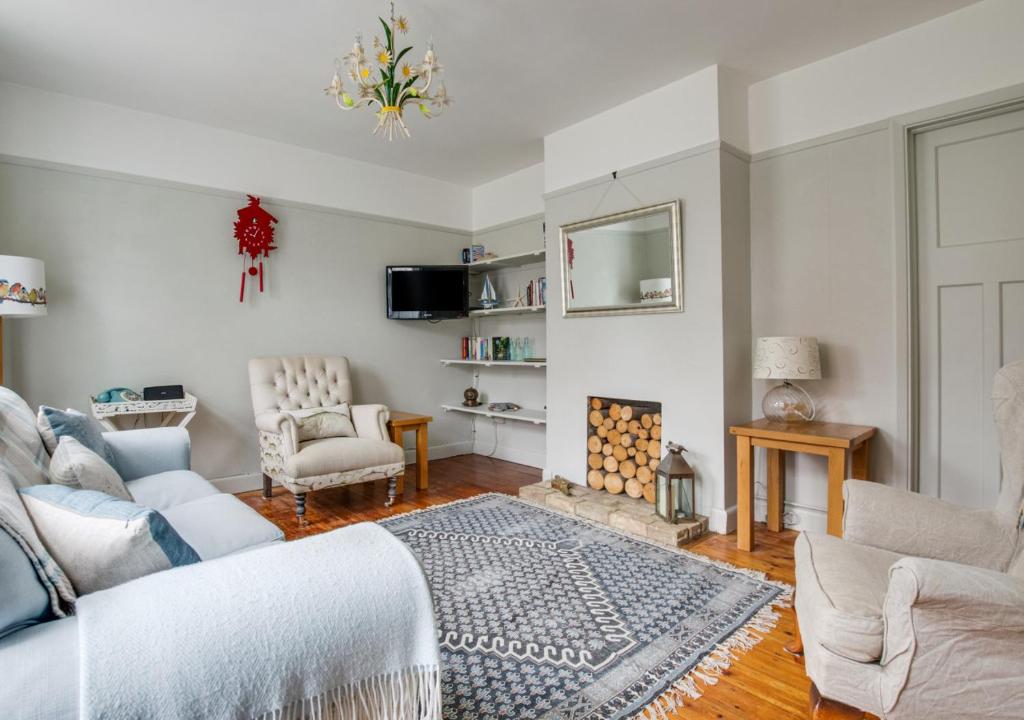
(902, 132)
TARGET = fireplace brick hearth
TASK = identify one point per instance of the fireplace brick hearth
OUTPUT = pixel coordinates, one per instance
(621, 512)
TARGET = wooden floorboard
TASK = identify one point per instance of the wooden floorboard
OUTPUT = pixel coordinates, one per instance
(766, 683)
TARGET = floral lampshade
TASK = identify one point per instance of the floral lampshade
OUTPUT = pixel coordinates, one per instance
(22, 286)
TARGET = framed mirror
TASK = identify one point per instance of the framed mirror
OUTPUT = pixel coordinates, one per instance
(627, 263)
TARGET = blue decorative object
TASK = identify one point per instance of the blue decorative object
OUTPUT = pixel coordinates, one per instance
(116, 395)
(544, 615)
(53, 424)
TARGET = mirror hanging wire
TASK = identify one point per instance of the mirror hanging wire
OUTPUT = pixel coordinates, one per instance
(615, 180)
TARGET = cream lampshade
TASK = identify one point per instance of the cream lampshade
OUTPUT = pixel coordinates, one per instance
(787, 358)
(22, 292)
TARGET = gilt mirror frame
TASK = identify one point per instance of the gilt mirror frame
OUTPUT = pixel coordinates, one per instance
(674, 210)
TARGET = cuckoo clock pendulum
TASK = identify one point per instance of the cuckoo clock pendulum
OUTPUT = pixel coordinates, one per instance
(254, 231)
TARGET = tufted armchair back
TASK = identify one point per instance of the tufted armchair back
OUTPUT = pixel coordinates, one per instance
(298, 383)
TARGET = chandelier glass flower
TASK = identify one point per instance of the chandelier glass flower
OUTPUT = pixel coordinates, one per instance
(385, 79)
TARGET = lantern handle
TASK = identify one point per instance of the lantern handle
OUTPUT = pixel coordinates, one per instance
(675, 447)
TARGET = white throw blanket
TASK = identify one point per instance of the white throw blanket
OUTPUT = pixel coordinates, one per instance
(339, 625)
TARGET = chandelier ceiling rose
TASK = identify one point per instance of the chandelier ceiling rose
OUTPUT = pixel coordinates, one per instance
(385, 81)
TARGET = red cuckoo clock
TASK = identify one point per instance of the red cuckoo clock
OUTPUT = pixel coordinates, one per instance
(254, 230)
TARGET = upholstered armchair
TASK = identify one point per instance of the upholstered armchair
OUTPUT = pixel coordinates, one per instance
(281, 386)
(918, 612)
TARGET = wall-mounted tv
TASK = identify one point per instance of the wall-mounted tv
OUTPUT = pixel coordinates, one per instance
(428, 292)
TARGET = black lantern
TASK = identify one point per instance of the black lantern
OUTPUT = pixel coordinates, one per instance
(675, 497)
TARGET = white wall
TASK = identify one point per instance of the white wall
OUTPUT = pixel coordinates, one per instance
(143, 290)
(674, 358)
(824, 265)
(509, 198)
(64, 129)
(671, 119)
(968, 52)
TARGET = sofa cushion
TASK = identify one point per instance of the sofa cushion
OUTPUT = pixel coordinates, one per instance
(16, 523)
(221, 525)
(167, 489)
(22, 454)
(844, 585)
(101, 541)
(23, 599)
(333, 455)
(53, 424)
(40, 672)
(75, 465)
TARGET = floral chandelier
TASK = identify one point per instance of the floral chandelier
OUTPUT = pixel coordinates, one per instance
(387, 81)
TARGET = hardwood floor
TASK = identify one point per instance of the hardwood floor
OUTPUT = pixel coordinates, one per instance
(765, 683)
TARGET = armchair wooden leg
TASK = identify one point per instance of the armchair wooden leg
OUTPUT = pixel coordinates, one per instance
(267, 484)
(300, 506)
(796, 645)
(392, 491)
(825, 709)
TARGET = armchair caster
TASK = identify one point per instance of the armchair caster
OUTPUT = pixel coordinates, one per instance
(825, 709)
(300, 507)
(392, 491)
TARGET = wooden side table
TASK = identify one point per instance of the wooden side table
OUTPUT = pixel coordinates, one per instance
(835, 441)
(399, 423)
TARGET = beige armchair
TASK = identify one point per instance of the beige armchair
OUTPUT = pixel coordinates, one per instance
(280, 385)
(918, 612)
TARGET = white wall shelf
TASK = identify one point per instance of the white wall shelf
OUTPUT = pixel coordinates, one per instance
(537, 417)
(524, 310)
(495, 363)
(508, 261)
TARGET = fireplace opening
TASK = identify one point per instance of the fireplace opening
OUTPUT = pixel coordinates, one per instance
(623, 445)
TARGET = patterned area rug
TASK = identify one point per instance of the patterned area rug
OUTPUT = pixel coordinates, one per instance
(543, 615)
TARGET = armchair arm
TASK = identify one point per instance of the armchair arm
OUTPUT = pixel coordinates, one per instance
(371, 421)
(281, 424)
(943, 620)
(148, 451)
(912, 524)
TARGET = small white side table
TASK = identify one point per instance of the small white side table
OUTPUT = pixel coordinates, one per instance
(185, 407)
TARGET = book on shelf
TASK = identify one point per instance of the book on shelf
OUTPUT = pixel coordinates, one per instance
(536, 292)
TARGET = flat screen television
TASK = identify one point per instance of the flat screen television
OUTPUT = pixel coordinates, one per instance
(428, 292)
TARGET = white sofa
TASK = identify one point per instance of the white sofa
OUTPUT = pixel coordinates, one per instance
(39, 675)
(918, 612)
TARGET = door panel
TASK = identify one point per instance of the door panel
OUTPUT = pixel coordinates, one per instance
(970, 295)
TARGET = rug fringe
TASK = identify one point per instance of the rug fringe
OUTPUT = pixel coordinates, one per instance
(412, 694)
(690, 686)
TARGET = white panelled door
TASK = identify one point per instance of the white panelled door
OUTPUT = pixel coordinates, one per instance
(970, 293)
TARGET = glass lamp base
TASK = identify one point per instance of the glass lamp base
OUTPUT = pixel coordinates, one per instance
(788, 403)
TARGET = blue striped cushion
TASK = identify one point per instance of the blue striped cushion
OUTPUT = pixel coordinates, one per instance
(101, 541)
(23, 456)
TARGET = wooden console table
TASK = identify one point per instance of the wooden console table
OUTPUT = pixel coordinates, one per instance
(835, 441)
(399, 423)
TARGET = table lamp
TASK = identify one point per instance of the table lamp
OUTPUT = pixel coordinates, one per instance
(787, 358)
(22, 292)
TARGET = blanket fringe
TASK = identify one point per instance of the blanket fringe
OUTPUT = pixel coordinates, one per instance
(413, 694)
(690, 686)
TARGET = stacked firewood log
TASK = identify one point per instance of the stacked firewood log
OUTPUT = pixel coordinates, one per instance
(623, 447)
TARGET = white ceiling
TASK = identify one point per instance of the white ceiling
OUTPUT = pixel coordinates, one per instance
(517, 69)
